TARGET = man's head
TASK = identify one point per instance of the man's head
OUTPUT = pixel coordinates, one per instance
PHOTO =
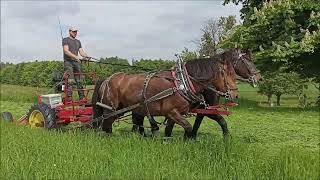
(73, 31)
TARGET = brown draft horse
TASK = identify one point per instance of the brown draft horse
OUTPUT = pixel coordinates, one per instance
(244, 67)
(123, 90)
(247, 71)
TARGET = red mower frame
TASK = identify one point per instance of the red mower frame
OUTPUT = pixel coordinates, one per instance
(74, 110)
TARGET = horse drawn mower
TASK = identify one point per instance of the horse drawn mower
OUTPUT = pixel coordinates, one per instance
(56, 110)
(53, 111)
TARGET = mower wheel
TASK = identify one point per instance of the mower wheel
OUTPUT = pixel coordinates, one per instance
(6, 116)
(42, 115)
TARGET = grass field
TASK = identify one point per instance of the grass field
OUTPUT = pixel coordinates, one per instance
(267, 143)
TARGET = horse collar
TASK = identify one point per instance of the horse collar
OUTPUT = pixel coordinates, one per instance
(189, 82)
(184, 84)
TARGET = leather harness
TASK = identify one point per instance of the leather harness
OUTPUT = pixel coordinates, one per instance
(182, 84)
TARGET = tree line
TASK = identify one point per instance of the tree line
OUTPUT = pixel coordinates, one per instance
(283, 35)
(40, 73)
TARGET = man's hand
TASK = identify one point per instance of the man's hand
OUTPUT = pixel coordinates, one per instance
(87, 58)
(77, 59)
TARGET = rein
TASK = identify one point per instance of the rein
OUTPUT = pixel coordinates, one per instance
(226, 94)
(95, 60)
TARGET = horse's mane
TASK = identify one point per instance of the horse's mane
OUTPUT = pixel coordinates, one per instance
(203, 68)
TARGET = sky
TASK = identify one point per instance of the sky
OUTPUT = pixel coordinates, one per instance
(128, 29)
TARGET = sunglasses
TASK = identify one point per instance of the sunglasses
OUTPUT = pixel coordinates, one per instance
(74, 31)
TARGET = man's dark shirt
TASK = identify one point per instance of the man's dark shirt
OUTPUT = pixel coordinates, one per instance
(74, 46)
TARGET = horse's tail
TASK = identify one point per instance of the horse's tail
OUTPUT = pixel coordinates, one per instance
(97, 110)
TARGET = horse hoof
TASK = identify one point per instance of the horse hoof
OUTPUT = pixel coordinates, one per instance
(188, 135)
(227, 136)
(143, 134)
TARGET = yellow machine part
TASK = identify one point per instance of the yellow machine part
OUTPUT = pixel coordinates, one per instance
(36, 119)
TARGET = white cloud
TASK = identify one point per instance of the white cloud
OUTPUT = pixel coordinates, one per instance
(128, 29)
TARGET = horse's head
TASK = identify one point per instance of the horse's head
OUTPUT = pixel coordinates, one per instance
(226, 82)
(217, 72)
(244, 66)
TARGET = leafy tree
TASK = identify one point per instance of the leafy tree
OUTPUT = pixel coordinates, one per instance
(227, 26)
(187, 55)
(247, 7)
(154, 64)
(7, 74)
(280, 83)
(208, 44)
(4, 64)
(214, 31)
(116, 68)
(282, 33)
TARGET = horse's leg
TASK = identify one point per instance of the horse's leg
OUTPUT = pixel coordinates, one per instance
(135, 126)
(107, 123)
(223, 124)
(98, 111)
(169, 127)
(154, 128)
(179, 119)
(137, 121)
(197, 124)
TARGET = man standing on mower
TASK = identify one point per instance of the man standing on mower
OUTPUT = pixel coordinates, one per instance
(71, 48)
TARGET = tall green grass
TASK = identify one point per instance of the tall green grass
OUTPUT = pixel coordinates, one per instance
(266, 143)
(35, 154)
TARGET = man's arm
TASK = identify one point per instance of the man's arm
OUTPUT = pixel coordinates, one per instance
(82, 53)
(68, 53)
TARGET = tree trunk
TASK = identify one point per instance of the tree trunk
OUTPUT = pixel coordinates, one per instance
(269, 99)
(278, 100)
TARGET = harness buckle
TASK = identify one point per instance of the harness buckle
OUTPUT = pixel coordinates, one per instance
(227, 95)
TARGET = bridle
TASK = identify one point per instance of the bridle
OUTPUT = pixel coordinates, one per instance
(250, 68)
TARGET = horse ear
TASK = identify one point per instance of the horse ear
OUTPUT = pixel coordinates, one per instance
(248, 52)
